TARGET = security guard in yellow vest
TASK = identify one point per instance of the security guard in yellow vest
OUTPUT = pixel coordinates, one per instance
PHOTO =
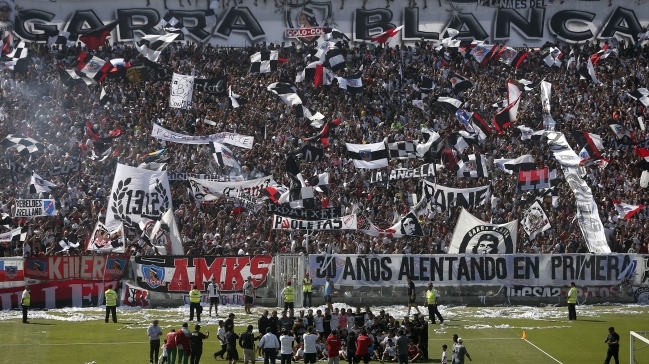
(431, 303)
(111, 303)
(195, 304)
(289, 296)
(572, 302)
(25, 302)
(307, 286)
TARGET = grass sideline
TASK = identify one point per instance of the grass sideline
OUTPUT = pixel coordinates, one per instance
(49, 340)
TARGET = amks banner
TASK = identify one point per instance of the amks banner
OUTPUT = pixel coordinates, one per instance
(509, 270)
(179, 273)
(76, 267)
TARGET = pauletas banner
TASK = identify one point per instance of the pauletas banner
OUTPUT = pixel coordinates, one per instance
(453, 269)
(516, 23)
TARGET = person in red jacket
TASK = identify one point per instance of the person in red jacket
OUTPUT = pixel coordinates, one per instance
(170, 343)
(183, 344)
(362, 348)
(333, 347)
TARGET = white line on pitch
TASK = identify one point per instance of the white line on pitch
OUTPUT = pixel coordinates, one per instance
(476, 339)
(67, 344)
(549, 356)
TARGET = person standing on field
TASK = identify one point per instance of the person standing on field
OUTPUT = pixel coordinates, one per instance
(214, 291)
(333, 348)
(172, 350)
(154, 333)
(26, 301)
(412, 296)
(307, 290)
(183, 344)
(572, 302)
(111, 303)
(249, 294)
(431, 303)
(196, 343)
(460, 352)
(195, 304)
(613, 341)
(289, 296)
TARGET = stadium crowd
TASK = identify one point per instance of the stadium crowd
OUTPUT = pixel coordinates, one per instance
(36, 104)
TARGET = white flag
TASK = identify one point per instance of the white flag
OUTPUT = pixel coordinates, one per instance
(165, 235)
(182, 88)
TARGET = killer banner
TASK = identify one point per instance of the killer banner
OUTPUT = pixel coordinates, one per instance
(306, 214)
(31, 208)
(426, 170)
(528, 23)
(347, 222)
(137, 193)
(488, 269)
(76, 267)
(443, 198)
(225, 137)
(58, 294)
(179, 273)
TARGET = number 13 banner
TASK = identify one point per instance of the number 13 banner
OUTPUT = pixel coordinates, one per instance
(137, 193)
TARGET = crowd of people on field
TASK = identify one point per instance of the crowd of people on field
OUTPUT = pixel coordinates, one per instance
(36, 104)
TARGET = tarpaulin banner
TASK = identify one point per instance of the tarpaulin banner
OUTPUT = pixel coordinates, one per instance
(181, 91)
(347, 222)
(443, 198)
(179, 273)
(76, 267)
(11, 269)
(506, 269)
(103, 240)
(137, 193)
(225, 137)
(70, 293)
(472, 235)
(306, 214)
(426, 170)
(540, 291)
(179, 176)
(134, 296)
(237, 299)
(67, 168)
(205, 190)
(30, 208)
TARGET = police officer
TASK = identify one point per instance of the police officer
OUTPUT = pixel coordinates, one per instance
(289, 295)
(307, 286)
(431, 303)
(195, 304)
(25, 302)
(572, 302)
(111, 303)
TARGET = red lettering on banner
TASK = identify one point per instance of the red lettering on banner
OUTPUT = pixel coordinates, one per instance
(203, 273)
(55, 267)
(98, 267)
(74, 267)
(86, 267)
(180, 281)
(259, 269)
(233, 280)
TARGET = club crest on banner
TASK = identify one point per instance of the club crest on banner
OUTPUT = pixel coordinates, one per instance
(366, 154)
(115, 267)
(487, 240)
(11, 271)
(93, 66)
(509, 54)
(641, 295)
(37, 268)
(226, 153)
(48, 207)
(309, 14)
(153, 275)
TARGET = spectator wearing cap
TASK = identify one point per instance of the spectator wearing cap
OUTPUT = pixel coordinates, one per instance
(289, 296)
(460, 352)
(249, 294)
(307, 287)
(196, 343)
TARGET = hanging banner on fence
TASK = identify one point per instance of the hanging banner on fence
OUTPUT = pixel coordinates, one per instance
(426, 170)
(204, 190)
(540, 291)
(67, 168)
(58, 294)
(474, 236)
(236, 299)
(306, 214)
(509, 270)
(443, 198)
(134, 296)
(587, 211)
(137, 192)
(76, 267)
(31, 208)
(178, 176)
(179, 273)
(103, 240)
(235, 139)
(11, 270)
(347, 222)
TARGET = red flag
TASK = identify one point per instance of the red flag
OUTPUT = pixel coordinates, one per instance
(385, 36)
(97, 37)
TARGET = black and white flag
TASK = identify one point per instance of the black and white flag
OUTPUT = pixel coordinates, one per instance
(287, 92)
(403, 150)
(433, 144)
(535, 221)
(309, 153)
(472, 166)
(369, 156)
(171, 24)
(264, 62)
(19, 52)
(457, 141)
(523, 163)
(317, 119)
(642, 95)
(39, 185)
(23, 145)
(450, 104)
(474, 236)
(224, 156)
(353, 84)
(151, 46)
